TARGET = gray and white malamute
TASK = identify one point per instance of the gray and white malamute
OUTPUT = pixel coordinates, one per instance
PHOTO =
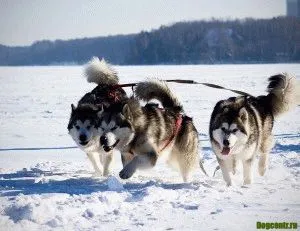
(242, 126)
(144, 134)
(84, 119)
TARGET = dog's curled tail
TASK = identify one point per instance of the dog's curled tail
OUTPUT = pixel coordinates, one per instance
(157, 89)
(282, 93)
(100, 72)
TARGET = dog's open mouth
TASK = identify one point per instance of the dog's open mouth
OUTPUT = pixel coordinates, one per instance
(109, 148)
(83, 143)
(225, 151)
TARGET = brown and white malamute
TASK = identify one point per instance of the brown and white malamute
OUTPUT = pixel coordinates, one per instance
(144, 134)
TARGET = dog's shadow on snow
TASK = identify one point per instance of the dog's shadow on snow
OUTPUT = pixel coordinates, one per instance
(33, 182)
(286, 148)
(29, 182)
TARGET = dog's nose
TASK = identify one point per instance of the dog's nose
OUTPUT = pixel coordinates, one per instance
(226, 143)
(82, 137)
(103, 140)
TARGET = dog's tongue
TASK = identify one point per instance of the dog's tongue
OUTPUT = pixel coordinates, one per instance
(225, 151)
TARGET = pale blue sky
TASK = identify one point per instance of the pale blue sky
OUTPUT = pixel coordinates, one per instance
(25, 21)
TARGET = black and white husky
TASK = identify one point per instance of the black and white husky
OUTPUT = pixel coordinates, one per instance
(84, 120)
(144, 134)
(242, 126)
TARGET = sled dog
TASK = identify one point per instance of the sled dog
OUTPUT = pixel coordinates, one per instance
(84, 120)
(242, 126)
(144, 134)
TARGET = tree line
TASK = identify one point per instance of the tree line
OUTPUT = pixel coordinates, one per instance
(197, 42)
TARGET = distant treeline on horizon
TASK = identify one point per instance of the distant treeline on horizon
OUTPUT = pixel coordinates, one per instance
(198, 42)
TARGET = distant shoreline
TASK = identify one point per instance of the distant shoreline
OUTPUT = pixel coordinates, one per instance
(247, 41)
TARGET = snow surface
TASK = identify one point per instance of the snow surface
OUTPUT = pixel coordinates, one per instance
(54, 189)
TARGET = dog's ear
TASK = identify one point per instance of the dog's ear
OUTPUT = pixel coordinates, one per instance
(243, 114)
(126, 112)
(72, 108)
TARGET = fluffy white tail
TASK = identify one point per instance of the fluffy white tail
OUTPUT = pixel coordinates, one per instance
(100, 72)
(156, 89)
(282, 90)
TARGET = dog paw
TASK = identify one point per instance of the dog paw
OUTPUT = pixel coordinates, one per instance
(127, 172)
(106, 174)
(97, 174)
(229, 184)
(247, 182)
(262, 170)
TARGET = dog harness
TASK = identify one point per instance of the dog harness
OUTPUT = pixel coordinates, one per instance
(114, 92)
(105, 94)
(177, 127)
(114, 95)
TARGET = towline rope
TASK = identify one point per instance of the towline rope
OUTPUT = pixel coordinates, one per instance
(36, 148)
(191, 82)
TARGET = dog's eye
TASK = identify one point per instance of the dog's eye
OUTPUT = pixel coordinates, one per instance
(234, 130)
(114, 128)
(88, 127)
(77, 127)
(223, 129)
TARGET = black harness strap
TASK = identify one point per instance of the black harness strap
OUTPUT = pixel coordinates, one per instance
(190, 82)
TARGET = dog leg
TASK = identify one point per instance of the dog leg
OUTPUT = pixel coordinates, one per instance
(94, 158)
(145, 160)
(225, 167)
(108, 159)
(263, 163)
(264, 155)
(186, 175)
(126, 158)
(186, 150)
(233, 166)
(187, 165)
(248, 170)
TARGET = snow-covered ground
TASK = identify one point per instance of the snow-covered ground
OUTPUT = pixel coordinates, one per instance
(53, 189)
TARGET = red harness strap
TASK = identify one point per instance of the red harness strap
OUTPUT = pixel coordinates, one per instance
(114, 93)
(177, 127)
(114, 96)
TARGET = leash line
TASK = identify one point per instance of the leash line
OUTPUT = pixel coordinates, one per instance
(36, 148)
(191, 82)
(44, 148)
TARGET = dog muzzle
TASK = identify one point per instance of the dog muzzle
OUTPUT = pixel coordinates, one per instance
(109, 148)
(83, 143)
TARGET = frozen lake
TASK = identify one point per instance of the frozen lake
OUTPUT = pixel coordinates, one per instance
(54, 189)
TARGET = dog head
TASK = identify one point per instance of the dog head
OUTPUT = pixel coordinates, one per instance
(115, 127)
(231, 129)
(82, 124)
